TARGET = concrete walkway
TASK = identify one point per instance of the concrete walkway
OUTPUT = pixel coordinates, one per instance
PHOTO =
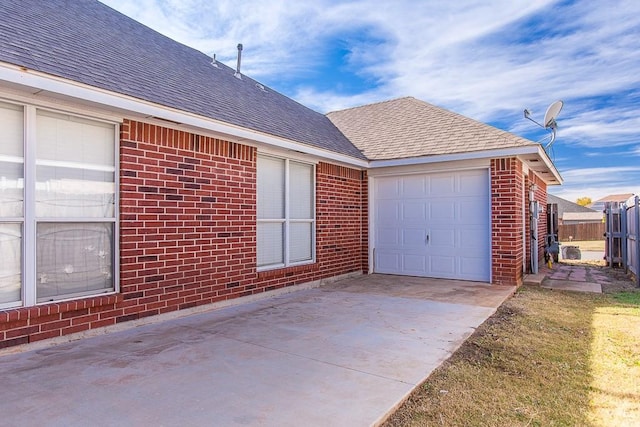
(569, 277)
(343, 355)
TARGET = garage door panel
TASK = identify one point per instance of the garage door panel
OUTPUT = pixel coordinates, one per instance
(414, 187)
(474, 268)
(470, 213)
(387, 261)
(441, 185)
(414, 211)
(473, 183)
(413, 237)
(414, 264)
(388, 211)
(443, 266)
(388, 189)
(442, 239)
(388, 237)
(442, 211)
(452, 208)
(471, 239)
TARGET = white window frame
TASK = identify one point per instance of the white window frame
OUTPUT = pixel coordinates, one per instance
(287, 220)
(29, 220)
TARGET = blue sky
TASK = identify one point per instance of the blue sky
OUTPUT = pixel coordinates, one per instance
(485, 59)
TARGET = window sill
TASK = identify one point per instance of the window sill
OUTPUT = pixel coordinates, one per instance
(288, 271)
(48, 308)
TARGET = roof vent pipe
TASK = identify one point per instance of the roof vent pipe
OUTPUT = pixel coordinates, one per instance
(237, 74)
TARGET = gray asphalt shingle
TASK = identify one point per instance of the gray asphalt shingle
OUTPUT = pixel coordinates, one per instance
(408, 127)
(88, 42)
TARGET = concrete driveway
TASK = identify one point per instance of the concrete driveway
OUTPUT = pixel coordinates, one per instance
(344, 354)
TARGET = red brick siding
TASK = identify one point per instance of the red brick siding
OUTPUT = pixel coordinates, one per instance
(506, 221)
(188, 233)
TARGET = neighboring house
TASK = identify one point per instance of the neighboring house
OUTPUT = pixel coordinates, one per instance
(582, 218)
(139, 177)
(598, 205)
(573, 213)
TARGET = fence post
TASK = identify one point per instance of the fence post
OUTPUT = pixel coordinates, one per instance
(637, 260)
(608, 211)
(624, 239)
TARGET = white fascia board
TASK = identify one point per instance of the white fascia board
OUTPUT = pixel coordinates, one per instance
(503, 152)
(126, 104)
(472, 155)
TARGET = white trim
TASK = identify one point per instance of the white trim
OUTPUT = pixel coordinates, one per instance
(448, 166)
(372, 204)
(287, 154)
(126, 104)
(29, 208)
(487, 154)
(535, 149)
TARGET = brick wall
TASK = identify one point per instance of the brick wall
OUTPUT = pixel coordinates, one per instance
(188, 233)
(506, 219)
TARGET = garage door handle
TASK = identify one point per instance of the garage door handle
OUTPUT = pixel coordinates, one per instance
(427, 239)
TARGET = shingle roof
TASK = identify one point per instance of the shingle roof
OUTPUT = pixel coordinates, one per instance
(615, 198)
(567, 206)
(88, 42)
(408, 127)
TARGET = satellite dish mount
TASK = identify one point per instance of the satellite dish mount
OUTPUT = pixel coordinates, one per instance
(549, 121)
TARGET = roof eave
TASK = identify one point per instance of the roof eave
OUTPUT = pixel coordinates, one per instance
(37, 82)
(533, 155)
(540, 163)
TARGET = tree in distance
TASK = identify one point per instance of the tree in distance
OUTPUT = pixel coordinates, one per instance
(583, 201)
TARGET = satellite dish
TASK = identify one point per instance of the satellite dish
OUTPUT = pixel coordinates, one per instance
(551, 114)
(549, 121)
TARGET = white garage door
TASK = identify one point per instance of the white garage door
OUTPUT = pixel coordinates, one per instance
(433, 225)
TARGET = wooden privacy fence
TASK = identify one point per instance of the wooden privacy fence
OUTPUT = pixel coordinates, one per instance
(623, 236)
(583, 231)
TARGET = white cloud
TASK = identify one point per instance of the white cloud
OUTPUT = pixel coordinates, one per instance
(598, 182)
(473, 57)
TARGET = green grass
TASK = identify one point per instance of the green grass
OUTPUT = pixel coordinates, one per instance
(630, 298)
(546, 358)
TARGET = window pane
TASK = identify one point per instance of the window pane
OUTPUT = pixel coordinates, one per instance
(72, 139)
(12, 135)
(270, 244)
(301, 191)
(270, 188)
(300, 241)
(74, 192)
(11, 160)
(11, 189)
(73, 259)
(10, 262)
(75, 171)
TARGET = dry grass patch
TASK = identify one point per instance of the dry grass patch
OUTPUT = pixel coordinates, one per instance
(539, 361)
(615, 365)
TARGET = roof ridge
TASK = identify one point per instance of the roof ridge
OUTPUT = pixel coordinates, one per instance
(371, 104)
